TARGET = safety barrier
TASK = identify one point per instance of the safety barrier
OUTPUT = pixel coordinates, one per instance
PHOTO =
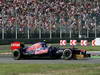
(74, 43)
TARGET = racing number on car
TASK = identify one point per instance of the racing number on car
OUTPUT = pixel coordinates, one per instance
(63, 42)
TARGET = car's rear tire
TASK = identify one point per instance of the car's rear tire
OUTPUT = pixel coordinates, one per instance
(17, 54)
(67, 54)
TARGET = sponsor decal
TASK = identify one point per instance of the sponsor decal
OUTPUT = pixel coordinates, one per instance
(63, 42)
(73, 42)
(34, 46)
(15, 45)
(93, 43)
(84, 43)
(41, 51)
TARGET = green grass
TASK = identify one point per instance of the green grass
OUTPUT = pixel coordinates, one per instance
(95, 56)
(90, 48)
(49, 69)
(6, 48)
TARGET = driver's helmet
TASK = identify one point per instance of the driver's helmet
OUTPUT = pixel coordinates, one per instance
(44, 44)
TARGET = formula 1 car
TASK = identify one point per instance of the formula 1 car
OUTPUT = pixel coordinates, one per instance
(41, 49)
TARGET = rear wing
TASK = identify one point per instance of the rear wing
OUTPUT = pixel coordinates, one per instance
(16, 45)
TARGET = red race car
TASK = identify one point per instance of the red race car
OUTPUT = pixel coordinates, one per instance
(41, 49)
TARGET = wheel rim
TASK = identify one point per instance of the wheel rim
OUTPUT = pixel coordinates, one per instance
(16, 55)
(67, 54)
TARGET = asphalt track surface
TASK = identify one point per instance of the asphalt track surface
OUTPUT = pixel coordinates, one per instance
(9, 59)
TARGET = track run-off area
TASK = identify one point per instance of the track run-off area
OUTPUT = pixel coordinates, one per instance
(95, 59)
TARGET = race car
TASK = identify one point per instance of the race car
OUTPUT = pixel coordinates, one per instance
(41, 49)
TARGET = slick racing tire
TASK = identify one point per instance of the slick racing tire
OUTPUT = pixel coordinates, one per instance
(67, 54)
(17, 55)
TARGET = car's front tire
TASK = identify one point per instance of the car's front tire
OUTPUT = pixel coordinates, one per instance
(67, 54)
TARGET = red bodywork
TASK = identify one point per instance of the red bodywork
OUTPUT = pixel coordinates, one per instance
(15, 45)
